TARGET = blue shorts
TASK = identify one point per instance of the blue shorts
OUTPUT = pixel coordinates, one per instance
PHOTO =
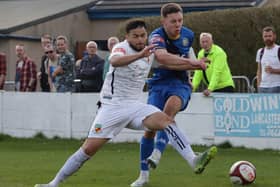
(159, 94)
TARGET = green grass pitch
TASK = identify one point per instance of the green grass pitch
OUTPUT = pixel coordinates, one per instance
(25, 162)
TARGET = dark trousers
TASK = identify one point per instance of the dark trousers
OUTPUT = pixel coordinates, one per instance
(228, 89)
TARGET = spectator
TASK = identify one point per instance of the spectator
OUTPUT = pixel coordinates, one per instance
(111, 42)
(91, 69)
(217, 76)
(2, 70)
(268, 59)
(42, 75)
(25, 79)
(64, 73)
(52, 61)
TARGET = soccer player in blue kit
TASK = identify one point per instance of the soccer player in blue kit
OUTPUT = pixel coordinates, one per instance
(169, 88)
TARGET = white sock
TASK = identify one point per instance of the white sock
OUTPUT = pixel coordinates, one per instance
(144, 174)
(156, 154)
(180, 142)
(72, 165)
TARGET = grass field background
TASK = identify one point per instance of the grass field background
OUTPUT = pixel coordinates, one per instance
(24, 162)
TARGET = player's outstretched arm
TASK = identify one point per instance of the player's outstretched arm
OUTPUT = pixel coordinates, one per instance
(124, 60)
(193, 65)
(174, 62)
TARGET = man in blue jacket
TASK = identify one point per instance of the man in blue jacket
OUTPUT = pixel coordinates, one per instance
(91, 70)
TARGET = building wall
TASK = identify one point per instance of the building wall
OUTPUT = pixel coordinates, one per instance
(76, 26)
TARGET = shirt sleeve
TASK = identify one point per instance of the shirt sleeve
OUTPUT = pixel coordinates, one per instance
(219, 63)
(33, 71)
(118, 50)
(258, 58)
(3, 67)
(157, 40)
(197, 77)
(192, 54)
(67, 62)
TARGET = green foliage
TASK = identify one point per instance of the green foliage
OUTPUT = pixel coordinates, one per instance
(25, 162)
(237, 31)
(225, 145)
(4, 137)
(40, 135)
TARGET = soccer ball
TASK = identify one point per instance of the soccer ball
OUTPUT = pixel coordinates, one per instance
(242, 173)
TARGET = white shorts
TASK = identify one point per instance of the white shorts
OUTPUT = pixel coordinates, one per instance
(111, 119)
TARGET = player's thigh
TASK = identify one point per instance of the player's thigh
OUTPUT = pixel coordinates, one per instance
(183, 92)
(143, 111)
(157, 121)
(173, 105)
(109, 121)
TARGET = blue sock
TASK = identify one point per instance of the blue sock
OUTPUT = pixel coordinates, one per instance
(146, 149)
(161, 141)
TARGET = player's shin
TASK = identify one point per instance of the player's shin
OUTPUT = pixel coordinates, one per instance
(161, 140)
(146, 149)
(72, 165)
(180, 142)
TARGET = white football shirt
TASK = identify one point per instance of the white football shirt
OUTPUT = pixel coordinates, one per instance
(270, 57)
(125, 83)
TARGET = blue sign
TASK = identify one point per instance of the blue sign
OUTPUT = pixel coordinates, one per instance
(247, 115)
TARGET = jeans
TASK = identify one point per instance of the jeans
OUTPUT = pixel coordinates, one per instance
(269, 90)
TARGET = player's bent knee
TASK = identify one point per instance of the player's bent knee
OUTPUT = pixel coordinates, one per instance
(92, 145)
(149, 134)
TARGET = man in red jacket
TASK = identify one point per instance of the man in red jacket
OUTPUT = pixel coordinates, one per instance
(25, 71)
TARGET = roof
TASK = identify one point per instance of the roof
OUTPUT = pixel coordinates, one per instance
(16, 14)
(19, 14)
(112, 9)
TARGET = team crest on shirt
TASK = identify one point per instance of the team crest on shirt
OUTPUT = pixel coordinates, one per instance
(97, 128)
(118, 49)
(185, 41)
(156, 39)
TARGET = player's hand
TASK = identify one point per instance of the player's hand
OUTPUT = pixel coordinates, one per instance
(147, 51)
(39, 75)
(199, 64)
(268, 69)
(206, 92)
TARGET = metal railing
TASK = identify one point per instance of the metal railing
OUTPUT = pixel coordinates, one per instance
(9, 86)
(242, 84)
(254, 86)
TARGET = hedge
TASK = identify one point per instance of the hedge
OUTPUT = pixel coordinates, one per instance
(237, 31)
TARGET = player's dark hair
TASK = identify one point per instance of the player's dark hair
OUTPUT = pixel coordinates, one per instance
(135, 23)
(170, 8)
(268, 29)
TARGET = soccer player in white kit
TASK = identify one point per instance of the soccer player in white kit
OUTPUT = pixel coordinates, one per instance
(120, 106)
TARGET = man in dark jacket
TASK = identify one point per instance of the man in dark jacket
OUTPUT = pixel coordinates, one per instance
(91, 70)
(42, 75)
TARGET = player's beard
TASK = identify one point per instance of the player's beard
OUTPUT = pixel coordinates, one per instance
(135, 48)
(269, 43)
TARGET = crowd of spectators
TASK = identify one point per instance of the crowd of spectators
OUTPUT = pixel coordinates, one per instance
(58, 71)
